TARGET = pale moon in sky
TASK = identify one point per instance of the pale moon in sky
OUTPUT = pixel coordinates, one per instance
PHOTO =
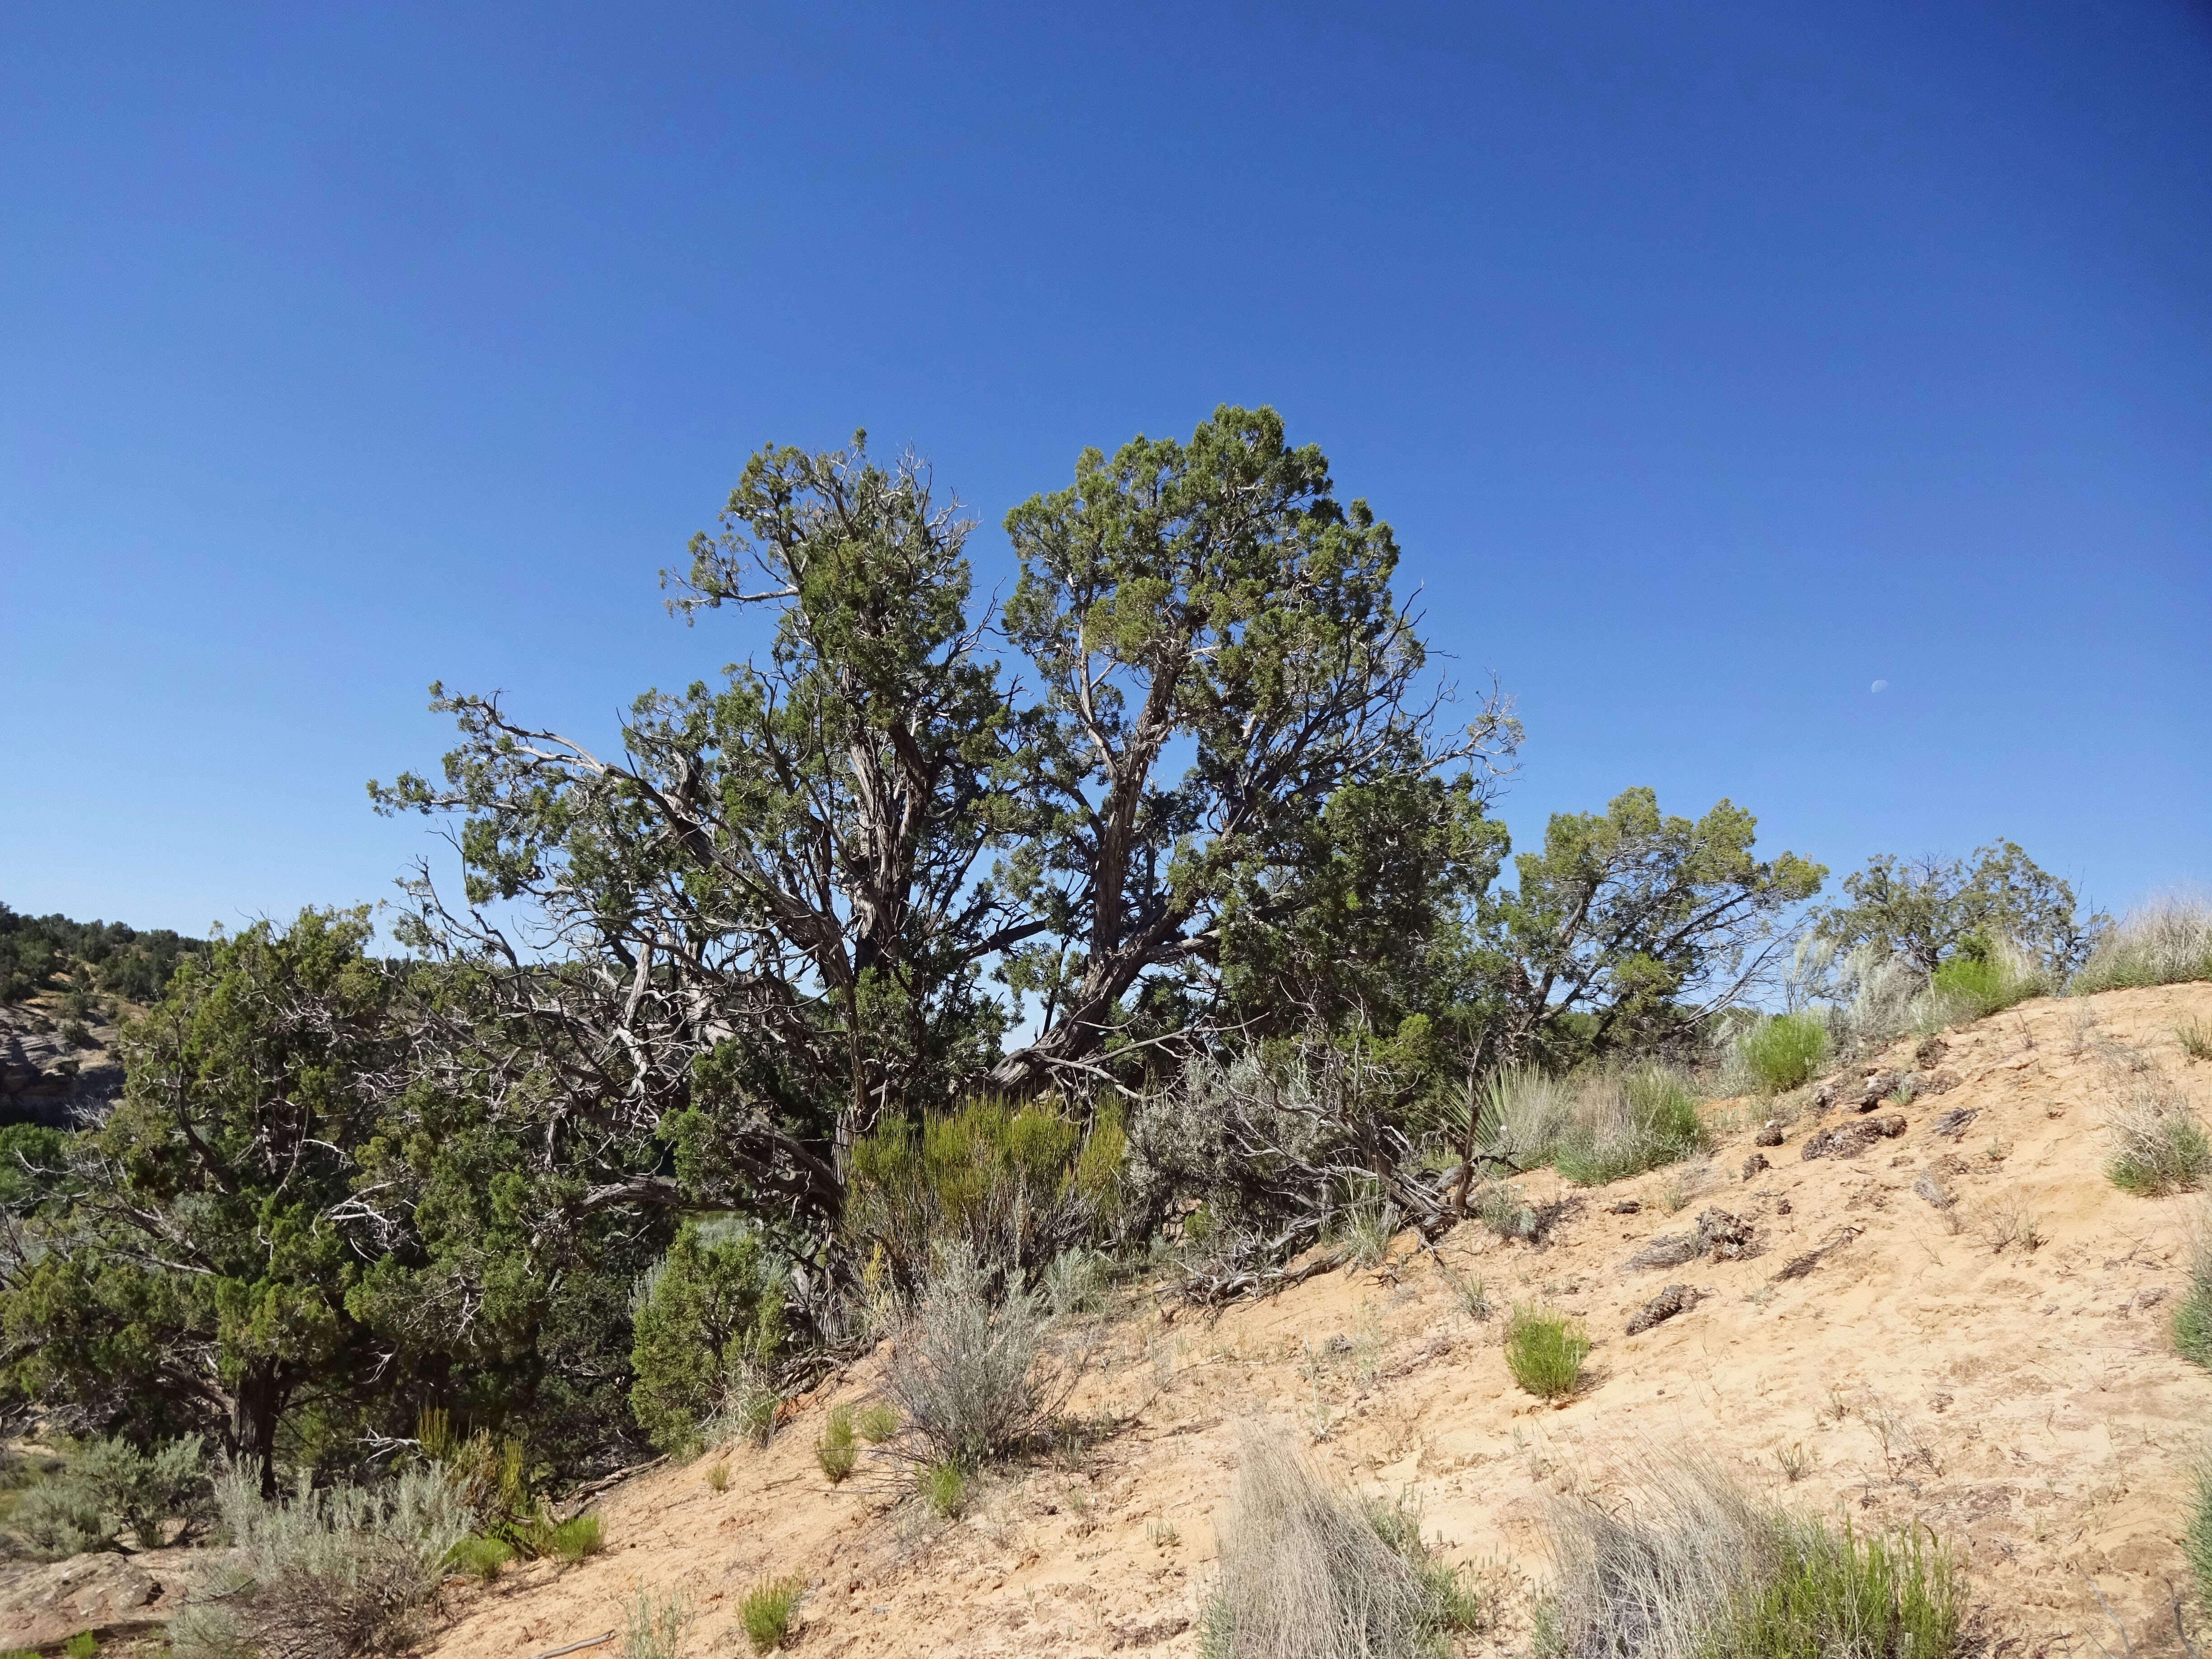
(1881, 685)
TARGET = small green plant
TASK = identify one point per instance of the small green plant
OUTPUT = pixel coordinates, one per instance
(481, 1558)
(2192, 1316)
(1545, 1350)
(2158, 1145)
(1785, 1051)
(2195, 1036)
(1162, 1535)
(657, 1626)
(1449, 1602)
(876, 1422)
(576, 1538)
(2197, 1536)
(944, 1488)
(1470, 1295)
(717, 1477)
(83, 1645)
(1627, 1122)
(1831, 1593)
(765, 1612)
(835, 1451)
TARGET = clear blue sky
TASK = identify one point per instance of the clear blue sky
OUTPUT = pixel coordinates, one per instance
(1711, 361)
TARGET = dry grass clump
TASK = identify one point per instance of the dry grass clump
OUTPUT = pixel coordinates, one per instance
(1545, 1350)
(2195, 1036)
(1308, 1574)
(1698, 1570)
(1599, 1125)
(2166, 941)
(837, 1450)
(326, 1575)
(2158, 1145)
(2192, 1315)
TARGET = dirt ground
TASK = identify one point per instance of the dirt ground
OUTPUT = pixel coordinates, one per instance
(2001, 1371)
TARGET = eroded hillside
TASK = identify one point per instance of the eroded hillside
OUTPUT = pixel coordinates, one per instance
(2000, 1370)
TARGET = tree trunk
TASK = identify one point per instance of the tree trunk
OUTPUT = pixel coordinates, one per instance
(253, 1421)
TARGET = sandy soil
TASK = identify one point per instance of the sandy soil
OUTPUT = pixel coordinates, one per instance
(2021, 1399)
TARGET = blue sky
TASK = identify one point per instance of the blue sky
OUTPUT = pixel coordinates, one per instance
(1712, 363)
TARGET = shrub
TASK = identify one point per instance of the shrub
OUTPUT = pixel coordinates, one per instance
(83, 1645)
(1627, 1122)
(717, 1477)
(709, 1307)
(481, 1558)
(2192, 1315)
(1975, 984)
(835, 1451)
(2164, 943)
(1694, 1569)
(326, 1575)
(657, 1626)
(2195, 1037)
(1545, 1352)
(1785, 1051)
(1013, 1184)
(576, 1538)
(765, 1612)
(944, 1488)
(60, 1519)
(876, 1422)
(749, 1405)
(2158, 1145)
(966, 1378)
(1522, 1116)
(109, 1487)
(1307, 1575)
(2196, 1535)
(1075, 1282)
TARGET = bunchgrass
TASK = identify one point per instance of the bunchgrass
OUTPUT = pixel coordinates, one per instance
(1545, 1350)
(481, 1558)
(876, 1423)
(717, 1476)
(944, 1488)
(1628, 1121)
(2195, 1036)
(576, 1538)
(1785, 1051)
(2192, 1315)
(836, 1451)
(2165, 943)
(2158, 1145)
(1836, 1593)
(765, 1612)
(2196, 1535)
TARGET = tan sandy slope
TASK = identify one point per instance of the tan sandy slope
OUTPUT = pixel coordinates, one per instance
(2023, 1401)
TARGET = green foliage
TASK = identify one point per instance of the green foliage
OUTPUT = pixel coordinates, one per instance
(1826, 1593)
(1545, 1350)
(1629, 1120)
(944, 1488)
(38, 953)
(572, 1540)
(2159, 1146)
(1006, 1180)
(764, 1612)
(61, 1518)
(83, 1645)
(1980, 981)
(1450, 1604)
(1929, 911)
(481, 1558)
(1628, 923)
(1785, 1051)
(876, 1422)
(836, 1451)
(2197, 1533)
(711, 1304)
(142, 1490)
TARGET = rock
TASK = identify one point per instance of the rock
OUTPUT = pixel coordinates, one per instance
(1953, 1124)
(1770, 1134)
(1754, 1163)
(1150, 1632)
(104, 1593)
(1823, 1097)
(1724, 1236)
(1934, 1082)
(1626, 1207)
(1878, 1088)
(1889, 1128)
(1782, 1207)
(1671, 1250)
(1928, 1187)
(1674, 1300)
(1931, 1051)
(1850, 1139)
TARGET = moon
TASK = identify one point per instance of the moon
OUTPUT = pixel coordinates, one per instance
(1880, 686)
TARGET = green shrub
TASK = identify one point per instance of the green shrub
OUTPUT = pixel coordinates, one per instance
(83, 1645)
(765, 1612)
(60, 1519)
(1825, 1593)
(1019, 1186)
(481, 1558)
(876, 1422)
(2192, 1315)
(1545, 1350)
(109, 1487)
(944, 1488)
(2158, 1145)
(1628, 1121)
(1786, 1051)
(835, 1451)
(710, 1306)
(971, 1381)
(717, 1477)
(576, 1538)
(1969, 987)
